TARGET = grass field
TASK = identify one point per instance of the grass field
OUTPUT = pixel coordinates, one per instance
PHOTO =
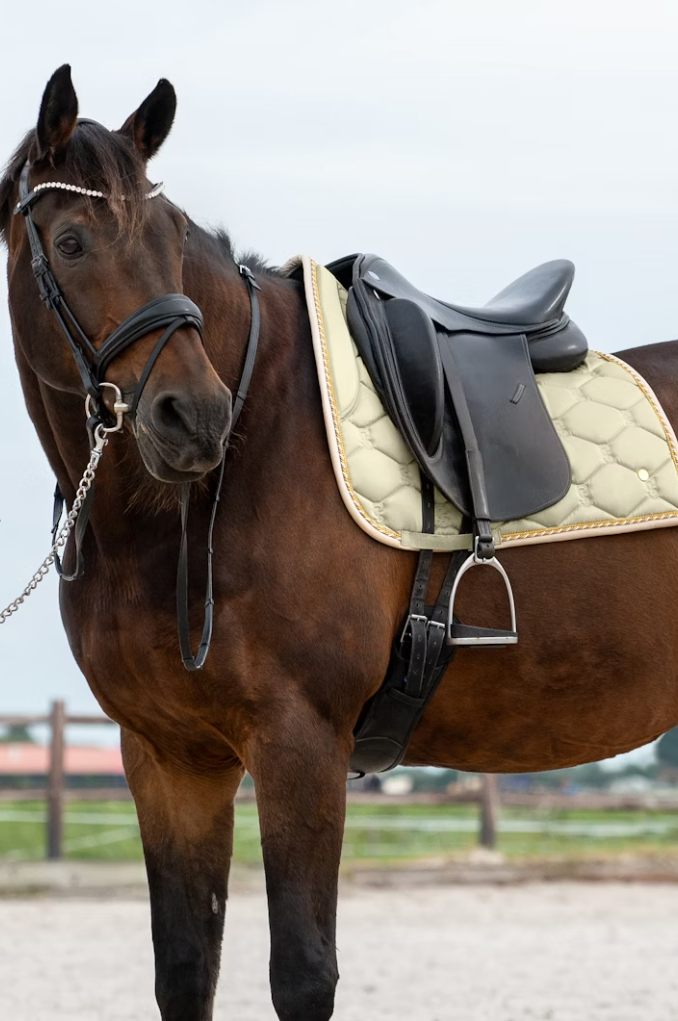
(387, 833)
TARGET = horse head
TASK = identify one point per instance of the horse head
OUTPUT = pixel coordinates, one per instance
(111, 253)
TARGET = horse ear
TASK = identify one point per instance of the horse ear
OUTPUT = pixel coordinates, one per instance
(150, 125)
(58, 113)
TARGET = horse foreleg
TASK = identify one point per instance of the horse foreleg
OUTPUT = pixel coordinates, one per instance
(186, 823)
(300, 777)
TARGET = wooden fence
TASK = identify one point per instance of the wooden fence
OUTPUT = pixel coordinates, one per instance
(56, 792)
(486, 795)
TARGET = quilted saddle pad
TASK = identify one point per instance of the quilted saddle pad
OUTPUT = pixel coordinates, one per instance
(622, 449)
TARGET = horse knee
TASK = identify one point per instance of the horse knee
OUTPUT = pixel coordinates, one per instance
(304, 998)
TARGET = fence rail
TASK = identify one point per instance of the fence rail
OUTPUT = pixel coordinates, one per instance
(486, 796)
(55, 793)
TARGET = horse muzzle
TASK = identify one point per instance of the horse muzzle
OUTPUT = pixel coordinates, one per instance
(181, 435)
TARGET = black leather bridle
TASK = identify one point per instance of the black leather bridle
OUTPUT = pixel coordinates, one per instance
(170, 312)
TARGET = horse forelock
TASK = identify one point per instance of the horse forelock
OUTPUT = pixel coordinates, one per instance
(94, 158)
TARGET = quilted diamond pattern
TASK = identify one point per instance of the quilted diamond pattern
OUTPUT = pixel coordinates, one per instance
(621, 448)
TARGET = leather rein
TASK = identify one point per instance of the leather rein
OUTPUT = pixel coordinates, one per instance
(170, 313)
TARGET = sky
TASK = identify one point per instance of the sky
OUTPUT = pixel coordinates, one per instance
(463, 142)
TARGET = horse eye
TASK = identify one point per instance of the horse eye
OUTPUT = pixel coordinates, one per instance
(69, 246)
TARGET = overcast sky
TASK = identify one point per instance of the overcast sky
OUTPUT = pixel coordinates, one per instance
(465, 142)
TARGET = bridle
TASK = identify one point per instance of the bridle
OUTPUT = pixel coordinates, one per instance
(170, 312)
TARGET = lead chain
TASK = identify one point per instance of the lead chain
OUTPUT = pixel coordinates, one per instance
(84, 487)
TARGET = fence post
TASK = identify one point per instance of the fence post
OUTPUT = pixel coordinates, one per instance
(56, 782)
(489, 810)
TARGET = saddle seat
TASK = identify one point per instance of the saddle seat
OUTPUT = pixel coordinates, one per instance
(535, 298)
(533, 304)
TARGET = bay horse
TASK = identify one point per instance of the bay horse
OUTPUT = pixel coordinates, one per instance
(306, 604)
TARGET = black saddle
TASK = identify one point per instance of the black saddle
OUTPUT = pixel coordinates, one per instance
(459, 383)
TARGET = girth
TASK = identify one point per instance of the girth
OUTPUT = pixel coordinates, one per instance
(418, 661)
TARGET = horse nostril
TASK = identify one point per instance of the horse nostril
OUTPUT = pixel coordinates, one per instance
(171, 412)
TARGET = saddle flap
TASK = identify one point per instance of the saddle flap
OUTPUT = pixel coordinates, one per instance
(523, 461)
(415, 347)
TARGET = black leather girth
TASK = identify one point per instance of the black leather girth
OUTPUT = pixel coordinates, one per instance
(419, 658)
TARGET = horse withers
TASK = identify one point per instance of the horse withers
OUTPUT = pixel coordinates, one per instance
(305, 603)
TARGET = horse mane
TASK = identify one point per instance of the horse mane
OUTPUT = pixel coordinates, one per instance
(220, 242)
(94, 158)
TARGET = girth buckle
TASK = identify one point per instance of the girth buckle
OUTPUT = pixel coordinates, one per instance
(411, 618)
(465, 634)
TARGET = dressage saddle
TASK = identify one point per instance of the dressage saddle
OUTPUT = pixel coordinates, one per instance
(460, 385)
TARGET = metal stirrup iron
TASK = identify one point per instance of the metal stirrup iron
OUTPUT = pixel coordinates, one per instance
(467, 634)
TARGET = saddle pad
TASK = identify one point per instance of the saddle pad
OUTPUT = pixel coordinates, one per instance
(622, 449)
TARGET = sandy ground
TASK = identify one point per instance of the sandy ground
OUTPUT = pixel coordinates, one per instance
(551, 952)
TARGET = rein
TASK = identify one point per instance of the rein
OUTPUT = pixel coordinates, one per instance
(171, 311)
(190, 661)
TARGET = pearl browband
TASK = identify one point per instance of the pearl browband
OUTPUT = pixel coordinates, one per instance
(90, 192)
(153, 193)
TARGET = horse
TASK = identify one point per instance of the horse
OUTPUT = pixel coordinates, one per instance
(305, 604)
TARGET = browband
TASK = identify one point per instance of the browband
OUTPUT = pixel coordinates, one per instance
(31, 197)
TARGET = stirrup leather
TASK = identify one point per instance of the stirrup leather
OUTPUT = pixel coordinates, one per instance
(466, 634)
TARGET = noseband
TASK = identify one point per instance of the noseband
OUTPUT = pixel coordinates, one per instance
(169, 313)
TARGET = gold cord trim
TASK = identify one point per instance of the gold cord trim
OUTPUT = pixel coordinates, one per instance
(583, 526)
(336, 422)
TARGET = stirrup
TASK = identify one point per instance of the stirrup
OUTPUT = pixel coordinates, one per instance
(465, 634)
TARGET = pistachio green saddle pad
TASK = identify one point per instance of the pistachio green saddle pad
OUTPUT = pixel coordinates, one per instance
(622, 450)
